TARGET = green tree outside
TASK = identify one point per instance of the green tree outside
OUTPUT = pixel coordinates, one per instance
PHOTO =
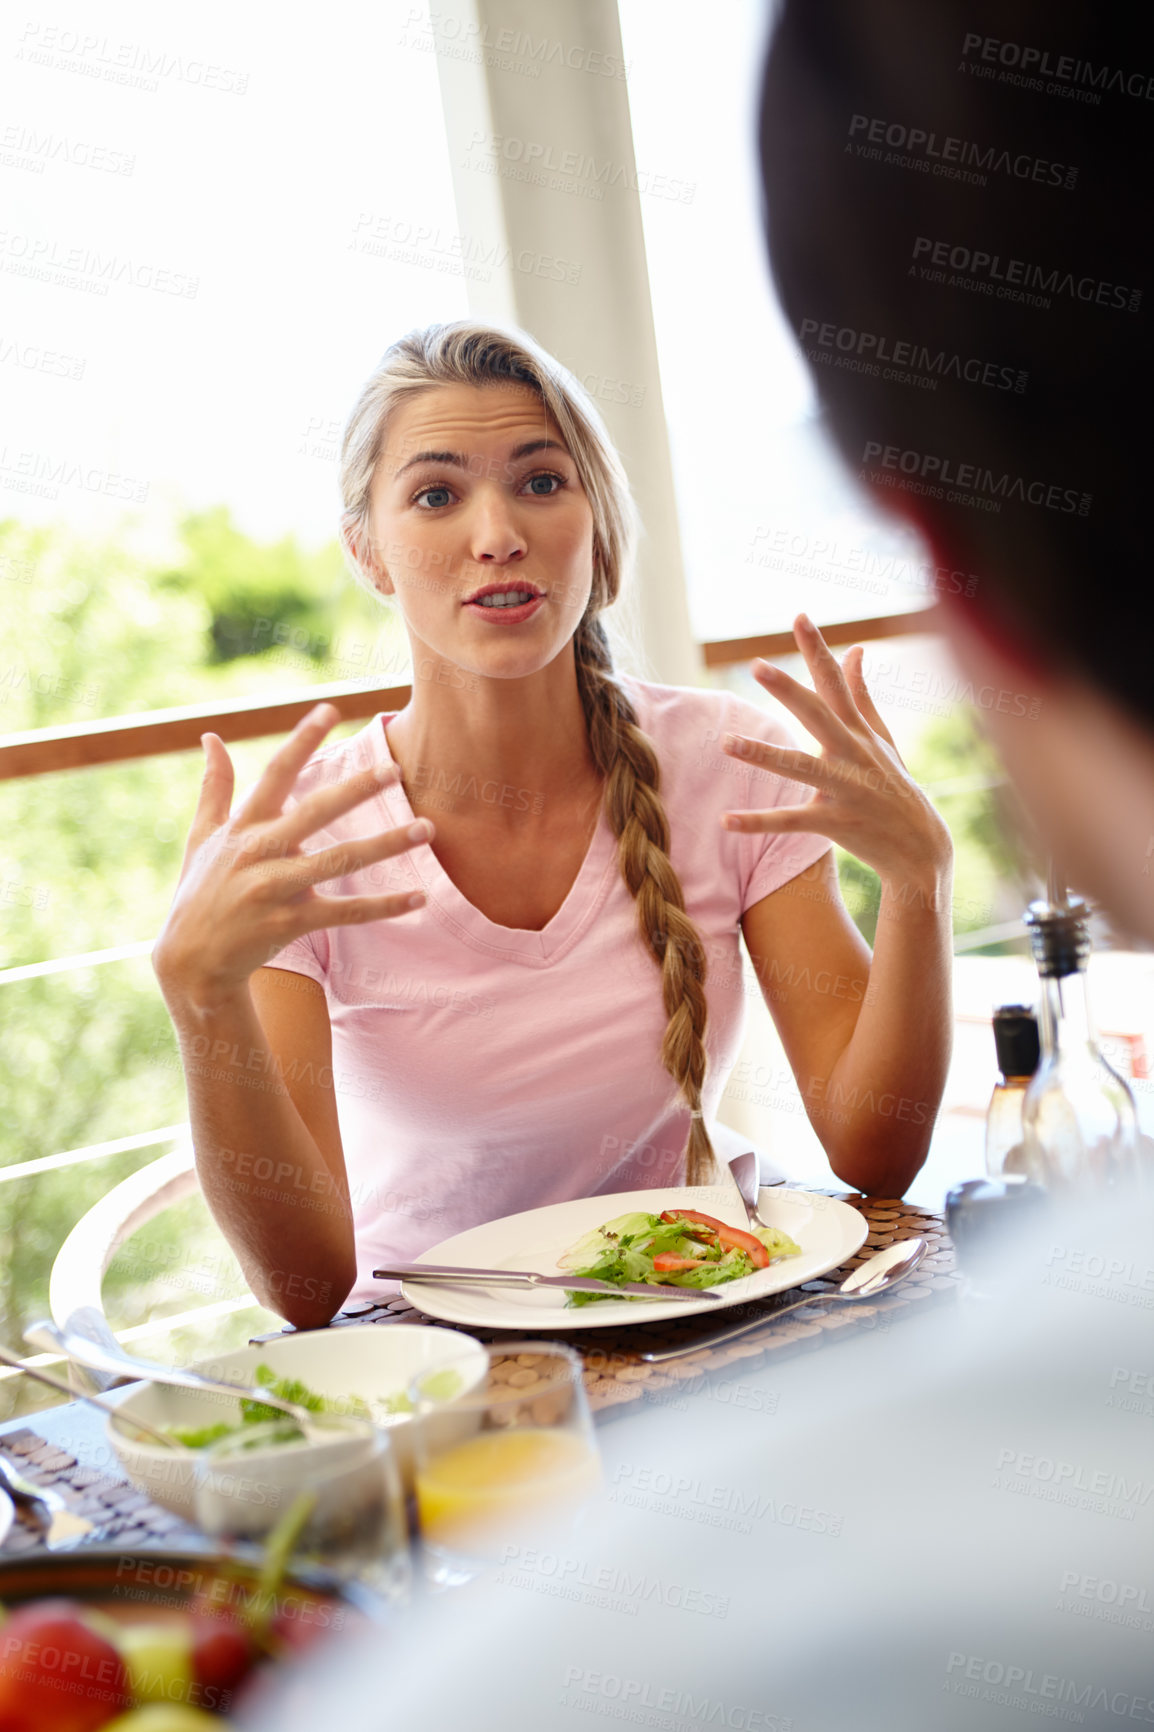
(89, 859)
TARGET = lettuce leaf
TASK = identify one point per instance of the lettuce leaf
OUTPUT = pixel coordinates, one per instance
(623, 1250)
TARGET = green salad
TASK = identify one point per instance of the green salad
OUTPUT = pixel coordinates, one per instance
(680, 1248)
(440, 1386)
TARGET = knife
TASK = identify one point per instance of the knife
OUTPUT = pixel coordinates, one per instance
(446, 1273)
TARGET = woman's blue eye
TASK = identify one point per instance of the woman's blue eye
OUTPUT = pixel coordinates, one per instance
(543, 486)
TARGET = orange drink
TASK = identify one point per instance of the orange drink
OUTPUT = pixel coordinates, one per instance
(506, 1463)
(499, 1483)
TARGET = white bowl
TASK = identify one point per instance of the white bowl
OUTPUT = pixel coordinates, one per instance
(358, 1359)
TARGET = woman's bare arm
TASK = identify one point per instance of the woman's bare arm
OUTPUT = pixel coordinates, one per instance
(253, 1038)
(268, 1146)
(869, 1040)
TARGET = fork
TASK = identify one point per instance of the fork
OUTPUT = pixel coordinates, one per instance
(746, 1176)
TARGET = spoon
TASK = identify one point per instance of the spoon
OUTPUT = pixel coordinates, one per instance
(7, 1357)
(878, 1273)
(747, 1177)
(59, 1523)
(78, 1339)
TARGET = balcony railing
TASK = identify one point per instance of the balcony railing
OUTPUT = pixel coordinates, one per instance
(82, 745)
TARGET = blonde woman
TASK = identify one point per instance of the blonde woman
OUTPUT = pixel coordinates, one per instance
(484, 955)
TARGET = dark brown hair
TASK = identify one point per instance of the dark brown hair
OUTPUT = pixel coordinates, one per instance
(973, 180)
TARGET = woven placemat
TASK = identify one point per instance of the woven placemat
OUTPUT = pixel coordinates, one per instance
(615, 1374)
(120, 1514)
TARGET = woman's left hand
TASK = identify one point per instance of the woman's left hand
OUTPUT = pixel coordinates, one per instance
(866, 799)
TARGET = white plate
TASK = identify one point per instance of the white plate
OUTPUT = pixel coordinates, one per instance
(7, 1515)
(828, 1232)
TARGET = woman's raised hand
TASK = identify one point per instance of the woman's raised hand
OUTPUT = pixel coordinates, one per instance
(866, 799)
(246, 887)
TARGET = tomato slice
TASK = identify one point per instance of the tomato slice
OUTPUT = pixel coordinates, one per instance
(669, 1263)
(733, 1238)
(697, 1231)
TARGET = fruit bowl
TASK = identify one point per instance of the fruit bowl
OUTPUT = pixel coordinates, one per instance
(366, 1360)
(155, 1635)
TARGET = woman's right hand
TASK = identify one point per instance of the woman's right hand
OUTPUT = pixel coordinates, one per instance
(246, 888)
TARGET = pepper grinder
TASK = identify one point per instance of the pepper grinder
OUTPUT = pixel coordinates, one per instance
(1018, 1048)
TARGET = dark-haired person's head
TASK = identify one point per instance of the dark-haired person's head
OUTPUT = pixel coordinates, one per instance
(958, 205)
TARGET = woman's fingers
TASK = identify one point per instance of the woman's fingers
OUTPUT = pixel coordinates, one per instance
(829, 775)
(855, 675)
(304, 870)
(811, 709)
(778, 819)
(250, 891)
(280, 773)
(825, 670)
(865, 799)
(785, 760)
(318, 809)
(214, 802)
(356, 910)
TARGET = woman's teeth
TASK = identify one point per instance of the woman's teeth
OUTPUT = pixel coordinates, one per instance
(507, 598)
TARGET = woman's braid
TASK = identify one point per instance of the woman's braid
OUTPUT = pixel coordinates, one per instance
(633, 805)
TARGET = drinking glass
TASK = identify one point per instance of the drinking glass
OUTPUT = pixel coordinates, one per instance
(510, 1463)
(343, 1484)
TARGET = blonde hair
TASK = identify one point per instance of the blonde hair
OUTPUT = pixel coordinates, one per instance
(471, 353)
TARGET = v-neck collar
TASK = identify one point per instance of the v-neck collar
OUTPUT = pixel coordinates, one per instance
(585, 896)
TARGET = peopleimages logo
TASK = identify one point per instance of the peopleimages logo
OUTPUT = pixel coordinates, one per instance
(1041, 1687)
(1018, 63)
(1017, 279)
(715, 1505)
(614, 1696)
(915, 147)
(83, 268)
(50, 473)
(24, 147)
(905, 359)
(509, 49)
(1099, 1491)
(610, 1587)
(570, 169)
(138, 64)
(964, 483)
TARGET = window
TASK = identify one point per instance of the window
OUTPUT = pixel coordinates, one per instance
(770, 521)
(208, 247)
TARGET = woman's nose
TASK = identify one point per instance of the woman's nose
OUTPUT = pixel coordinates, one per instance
(494, 536)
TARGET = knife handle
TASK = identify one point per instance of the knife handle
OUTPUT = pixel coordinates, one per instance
(446, 1272)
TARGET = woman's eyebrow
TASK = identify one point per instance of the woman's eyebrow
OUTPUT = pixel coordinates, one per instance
(537, 445)
(459, 462)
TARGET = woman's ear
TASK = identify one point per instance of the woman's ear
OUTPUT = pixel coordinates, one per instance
(359, 546)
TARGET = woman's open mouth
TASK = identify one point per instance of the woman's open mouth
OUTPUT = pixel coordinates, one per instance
(508, 605)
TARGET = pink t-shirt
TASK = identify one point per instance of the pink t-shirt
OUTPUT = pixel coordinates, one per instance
(483, 1069)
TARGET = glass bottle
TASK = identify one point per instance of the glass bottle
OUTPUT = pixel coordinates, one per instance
(1079, 1121)
(1017, 1046)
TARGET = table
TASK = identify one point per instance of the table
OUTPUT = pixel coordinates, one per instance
(64, 1446)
